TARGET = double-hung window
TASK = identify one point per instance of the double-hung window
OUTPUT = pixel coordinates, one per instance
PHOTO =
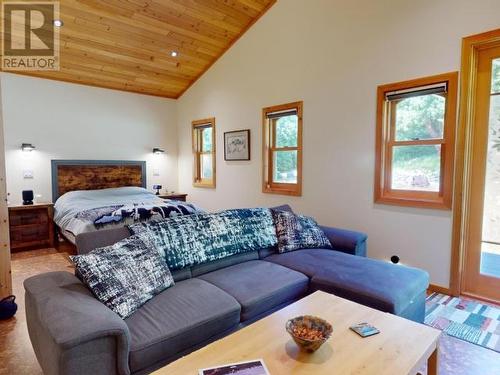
(415, 142)
(282, 149)
(204, 153)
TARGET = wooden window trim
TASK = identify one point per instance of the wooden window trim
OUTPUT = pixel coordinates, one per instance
(385, 142)
(198, 152)
(269, 146)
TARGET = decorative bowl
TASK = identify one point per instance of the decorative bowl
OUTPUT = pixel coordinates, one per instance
(309, 332)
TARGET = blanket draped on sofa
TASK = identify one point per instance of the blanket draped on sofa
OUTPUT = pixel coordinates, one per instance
(195, 239)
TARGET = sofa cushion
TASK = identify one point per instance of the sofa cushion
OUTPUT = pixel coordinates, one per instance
(296, 232)
(259, 286)
(187, 314)
(306, 261)
(125, 275)
(371, 282)
(223, 263)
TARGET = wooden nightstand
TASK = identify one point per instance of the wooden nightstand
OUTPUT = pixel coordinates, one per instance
(174, 196)
(31, 225)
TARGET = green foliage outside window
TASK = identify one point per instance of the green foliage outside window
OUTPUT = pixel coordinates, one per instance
(207, 139)
(495, 79)
(286, 136)
(419, 118)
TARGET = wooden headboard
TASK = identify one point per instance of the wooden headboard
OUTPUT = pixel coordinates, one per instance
(70, 175)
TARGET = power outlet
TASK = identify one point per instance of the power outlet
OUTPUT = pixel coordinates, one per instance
(28, 173)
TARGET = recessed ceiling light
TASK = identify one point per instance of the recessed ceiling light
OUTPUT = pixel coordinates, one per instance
(58, 23)
(173, 53)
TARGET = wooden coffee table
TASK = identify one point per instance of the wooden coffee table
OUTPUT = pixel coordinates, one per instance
(401, 348)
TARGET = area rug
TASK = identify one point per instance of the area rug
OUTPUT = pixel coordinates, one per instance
(466, 319)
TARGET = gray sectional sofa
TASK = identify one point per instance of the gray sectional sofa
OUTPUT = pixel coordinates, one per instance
(73, 333)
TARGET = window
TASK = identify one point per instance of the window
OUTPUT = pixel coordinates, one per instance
(415, 142)
(204, 153)
(282, 148)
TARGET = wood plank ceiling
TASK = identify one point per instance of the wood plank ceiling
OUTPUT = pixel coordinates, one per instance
(127, 44)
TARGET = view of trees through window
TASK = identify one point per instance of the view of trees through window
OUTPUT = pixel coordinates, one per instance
(495, 87)
(206, 161)
(285, 161)
(417, 167)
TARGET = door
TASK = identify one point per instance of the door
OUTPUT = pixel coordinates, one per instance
(482, 251)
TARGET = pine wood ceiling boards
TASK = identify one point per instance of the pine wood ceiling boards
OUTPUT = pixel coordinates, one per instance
(127, 44)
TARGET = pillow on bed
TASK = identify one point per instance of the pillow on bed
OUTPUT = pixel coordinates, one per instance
(126, 275)
(296, 232)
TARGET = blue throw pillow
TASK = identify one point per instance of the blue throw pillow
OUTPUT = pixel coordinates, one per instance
(126, 275)
(296, 232)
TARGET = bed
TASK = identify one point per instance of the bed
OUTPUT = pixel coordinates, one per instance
(95, 195)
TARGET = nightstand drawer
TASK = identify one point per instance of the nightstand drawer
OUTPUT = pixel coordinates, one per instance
(29, 235)
(28, 217)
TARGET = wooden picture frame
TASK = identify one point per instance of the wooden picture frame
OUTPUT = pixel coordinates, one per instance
(237, 145)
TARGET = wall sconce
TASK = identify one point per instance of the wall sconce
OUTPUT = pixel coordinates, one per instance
(27, 147)
(158, 151)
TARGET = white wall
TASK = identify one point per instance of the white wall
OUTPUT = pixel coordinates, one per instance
(332, 54)
(70, 121)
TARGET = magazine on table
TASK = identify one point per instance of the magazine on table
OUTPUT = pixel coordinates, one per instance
(254, 367)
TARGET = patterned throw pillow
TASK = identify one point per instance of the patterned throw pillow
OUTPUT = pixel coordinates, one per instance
(126, 275)
(195, 239)
(298, 232)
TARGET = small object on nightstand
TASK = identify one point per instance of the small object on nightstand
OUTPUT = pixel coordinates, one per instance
(27, 197)
(31, 226)
(157, 188)
(174, 196)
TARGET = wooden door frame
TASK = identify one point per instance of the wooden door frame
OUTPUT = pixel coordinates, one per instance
(465, 136)
(5, 270)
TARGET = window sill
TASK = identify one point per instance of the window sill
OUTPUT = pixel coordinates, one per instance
(297, 192)
(206, 185)
(439, 204)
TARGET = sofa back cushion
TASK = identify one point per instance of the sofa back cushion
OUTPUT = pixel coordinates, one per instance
(197, 239)
(86, 242)
(201, 269)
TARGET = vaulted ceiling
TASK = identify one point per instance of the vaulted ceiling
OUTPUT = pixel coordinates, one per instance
(127, 44)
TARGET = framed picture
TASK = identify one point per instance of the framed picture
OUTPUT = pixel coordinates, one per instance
(237, 145)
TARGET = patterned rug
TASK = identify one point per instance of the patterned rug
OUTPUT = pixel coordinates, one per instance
(465, 319)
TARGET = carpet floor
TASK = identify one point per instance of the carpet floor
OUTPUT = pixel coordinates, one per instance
(466, 319)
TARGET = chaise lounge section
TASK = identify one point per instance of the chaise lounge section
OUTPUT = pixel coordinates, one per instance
(72, 332)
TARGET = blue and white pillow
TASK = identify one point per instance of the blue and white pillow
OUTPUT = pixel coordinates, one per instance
(200, 238)
(126, 275)
(296, 232)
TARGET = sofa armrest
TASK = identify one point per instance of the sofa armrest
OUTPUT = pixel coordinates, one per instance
(347, 241)
(71, 331)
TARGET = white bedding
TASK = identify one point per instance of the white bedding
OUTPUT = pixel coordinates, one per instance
(70, 204)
